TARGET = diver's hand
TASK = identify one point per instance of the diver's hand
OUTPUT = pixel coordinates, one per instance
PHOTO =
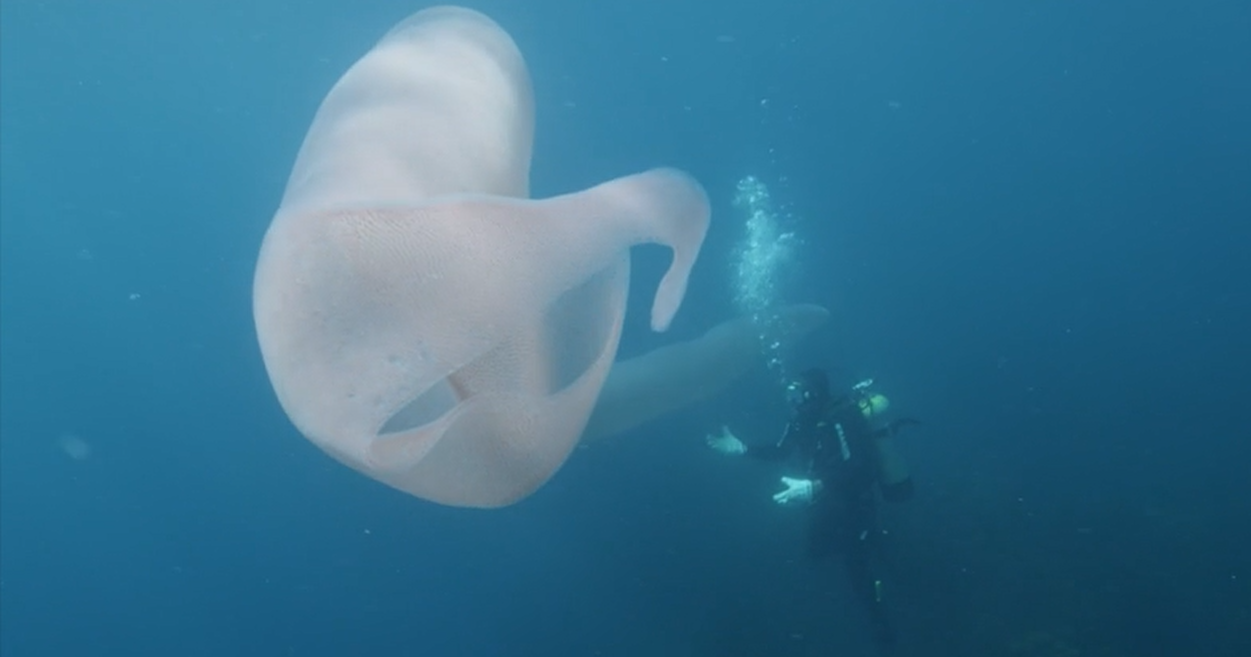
(726, 443)
(798, 491)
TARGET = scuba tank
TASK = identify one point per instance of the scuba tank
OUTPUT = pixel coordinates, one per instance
(892, 470)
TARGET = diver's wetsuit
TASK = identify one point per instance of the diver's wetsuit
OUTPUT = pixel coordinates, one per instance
(833, 439)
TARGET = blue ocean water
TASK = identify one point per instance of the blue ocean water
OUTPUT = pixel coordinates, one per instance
(1029, 220)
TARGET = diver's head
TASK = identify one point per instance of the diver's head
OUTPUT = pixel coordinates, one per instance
(810, 387)
(872, 404)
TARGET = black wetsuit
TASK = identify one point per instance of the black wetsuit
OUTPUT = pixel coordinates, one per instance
(833, 440)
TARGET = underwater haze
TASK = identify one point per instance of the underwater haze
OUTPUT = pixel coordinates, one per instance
(1030, 221)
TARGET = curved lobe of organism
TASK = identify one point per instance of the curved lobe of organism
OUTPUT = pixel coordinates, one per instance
(667, 379)
(421, 319)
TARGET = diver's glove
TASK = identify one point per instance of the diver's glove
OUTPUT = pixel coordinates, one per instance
(798, 491)
(726, 443)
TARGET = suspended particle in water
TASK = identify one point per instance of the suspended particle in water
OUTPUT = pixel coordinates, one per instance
(74, 447)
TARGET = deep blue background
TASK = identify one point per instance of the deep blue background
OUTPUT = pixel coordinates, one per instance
(1032, 221)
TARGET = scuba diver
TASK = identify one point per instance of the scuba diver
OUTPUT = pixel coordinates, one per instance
(846, 455)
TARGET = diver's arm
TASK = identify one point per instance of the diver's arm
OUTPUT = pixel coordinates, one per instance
(798, 491)
(776, 451)
(729, 444)
(892, 428)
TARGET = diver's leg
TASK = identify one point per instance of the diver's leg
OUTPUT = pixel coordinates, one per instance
(861, 562)
(867, 587)
(825, 526)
